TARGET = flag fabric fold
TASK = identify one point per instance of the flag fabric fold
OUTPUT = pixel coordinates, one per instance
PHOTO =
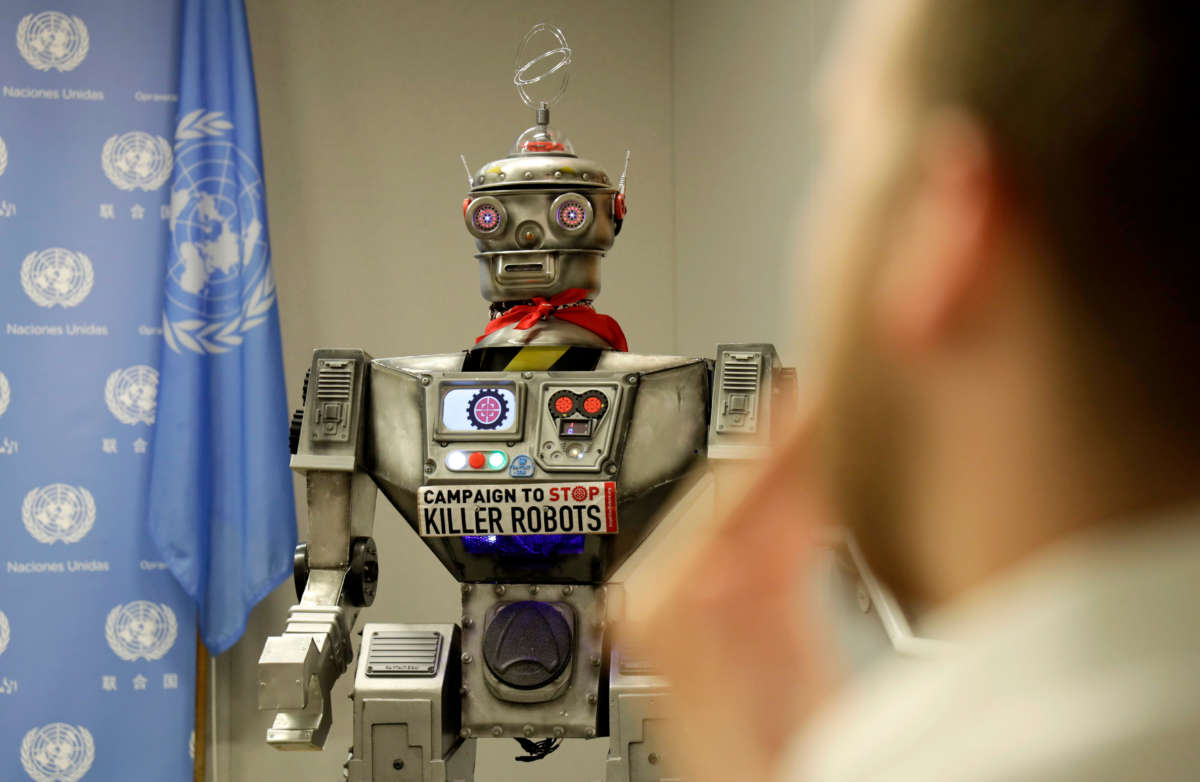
(220, 508)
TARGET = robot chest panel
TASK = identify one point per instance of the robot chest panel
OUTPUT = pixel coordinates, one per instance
(578, 442)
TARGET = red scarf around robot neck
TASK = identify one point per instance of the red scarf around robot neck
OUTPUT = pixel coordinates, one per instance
(564, 306)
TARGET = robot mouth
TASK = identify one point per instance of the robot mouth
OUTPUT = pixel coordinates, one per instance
(531, 267)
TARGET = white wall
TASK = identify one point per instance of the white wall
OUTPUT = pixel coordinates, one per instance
(365, 107)
(743, 153)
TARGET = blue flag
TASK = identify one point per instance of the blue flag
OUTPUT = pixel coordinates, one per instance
(220, 507)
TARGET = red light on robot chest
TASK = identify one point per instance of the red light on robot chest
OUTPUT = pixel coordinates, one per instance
(476, 460)
(593, 405)
(564, 405)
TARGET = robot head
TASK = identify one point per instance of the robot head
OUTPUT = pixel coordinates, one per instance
(542, 217)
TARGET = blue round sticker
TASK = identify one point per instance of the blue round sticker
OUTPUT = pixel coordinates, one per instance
(521, 467)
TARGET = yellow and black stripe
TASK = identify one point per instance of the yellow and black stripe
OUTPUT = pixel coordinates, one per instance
(535, 358)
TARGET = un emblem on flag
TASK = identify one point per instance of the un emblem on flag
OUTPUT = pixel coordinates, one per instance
(58, 512)
(5, 393)
(52, 40)
(132, 394)
(4, 633)
(137, 160)
(57, 276)
(141, 629)
(57, 752)
(219, 283)
(3, 155)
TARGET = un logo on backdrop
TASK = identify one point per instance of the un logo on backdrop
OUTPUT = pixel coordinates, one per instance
(141, 629)
(4, 633)
(58, 512)
(137, 160)
(219, 282)
(52, 40)
(57, 752)
(132, 394)
(5, 393)
(57, 276)
(3, 155)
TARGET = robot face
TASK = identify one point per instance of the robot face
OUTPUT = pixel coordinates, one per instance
(540, 241)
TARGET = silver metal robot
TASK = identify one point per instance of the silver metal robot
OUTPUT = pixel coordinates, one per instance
(532, 465)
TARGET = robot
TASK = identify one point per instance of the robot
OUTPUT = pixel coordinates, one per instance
(532, 464)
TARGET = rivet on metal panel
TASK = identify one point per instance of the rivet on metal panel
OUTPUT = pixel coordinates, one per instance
(466, 658)
(610, 468)
(590, 733)
(591, 698)
(497, 731)
(468, 621)
(501, 589)
(533, 589)
(430, 465)
(466, 589)
(568, 591)
(559, 731)
(464, 691)
(528, 731)
(652, 758)
(631, 380)
(465, 733)
(527, 375)
(426, 380)
(595, 661)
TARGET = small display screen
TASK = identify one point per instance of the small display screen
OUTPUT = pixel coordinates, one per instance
(479, 410)
(574, 428)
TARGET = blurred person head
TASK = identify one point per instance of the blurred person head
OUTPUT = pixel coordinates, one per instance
(1008, 321)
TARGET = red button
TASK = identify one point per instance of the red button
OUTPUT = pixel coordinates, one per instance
(476, 460)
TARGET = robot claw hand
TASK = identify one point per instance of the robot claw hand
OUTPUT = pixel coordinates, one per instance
(296, 673)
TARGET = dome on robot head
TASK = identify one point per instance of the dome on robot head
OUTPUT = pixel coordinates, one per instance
(542, 140)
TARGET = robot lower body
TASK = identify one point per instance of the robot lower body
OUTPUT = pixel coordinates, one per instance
(529, 661)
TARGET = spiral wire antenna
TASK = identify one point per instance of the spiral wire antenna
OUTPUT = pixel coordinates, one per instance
(540, 67)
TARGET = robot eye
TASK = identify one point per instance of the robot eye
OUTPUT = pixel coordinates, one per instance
(572, 212)
(485, 216)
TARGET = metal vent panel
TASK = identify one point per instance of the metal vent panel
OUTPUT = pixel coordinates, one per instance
(404, 653)
(335, 392)
(335, 380)
(741, 384)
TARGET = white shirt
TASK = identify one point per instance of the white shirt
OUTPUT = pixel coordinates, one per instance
(1081, 665)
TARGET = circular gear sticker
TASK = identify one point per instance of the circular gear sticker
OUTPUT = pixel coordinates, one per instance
(487, 409)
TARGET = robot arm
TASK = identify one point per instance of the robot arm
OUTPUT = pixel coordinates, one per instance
(336, 569)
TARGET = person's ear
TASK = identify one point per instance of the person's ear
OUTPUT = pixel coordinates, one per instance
(938, 268)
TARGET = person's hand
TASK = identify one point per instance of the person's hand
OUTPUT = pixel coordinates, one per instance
(731, 626)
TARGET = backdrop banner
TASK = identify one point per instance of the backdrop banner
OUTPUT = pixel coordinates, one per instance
(97, 639)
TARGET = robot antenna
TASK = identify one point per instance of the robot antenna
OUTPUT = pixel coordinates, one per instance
(536, 68)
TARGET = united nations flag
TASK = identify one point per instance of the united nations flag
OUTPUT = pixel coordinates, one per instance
(220, 507)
